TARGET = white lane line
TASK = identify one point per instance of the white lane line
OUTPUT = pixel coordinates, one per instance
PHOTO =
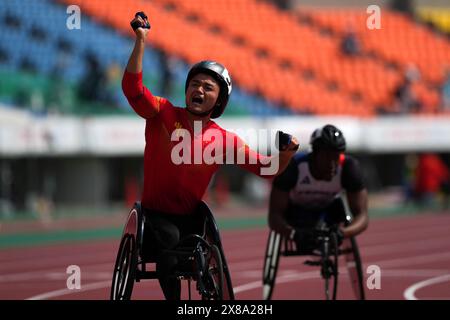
(256, 284)
(248, 264)
(23, 276)
(63, 292)
(48, 261)
(294, 261)
(286, 278)
(368, 250)
(53, 276)
(282, 279)
(400, 273)
(311, 275)
(432, 230)
(413, 260)
(409, 292)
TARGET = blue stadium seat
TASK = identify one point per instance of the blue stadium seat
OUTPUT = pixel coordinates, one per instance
(107, 45)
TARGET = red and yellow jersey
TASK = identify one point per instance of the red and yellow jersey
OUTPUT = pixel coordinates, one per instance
(171, 185)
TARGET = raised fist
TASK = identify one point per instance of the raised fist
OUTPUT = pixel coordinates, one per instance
(140, 24)
(286, 142)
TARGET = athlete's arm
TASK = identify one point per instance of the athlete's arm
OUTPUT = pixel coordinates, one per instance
(140, 98)
(264, 166)
(135, 62)
(358, 203)
(286, 155)
(279, 201)
(353, 183)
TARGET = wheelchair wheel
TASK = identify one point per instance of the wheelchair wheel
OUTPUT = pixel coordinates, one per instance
(124, 269)
(214, 277)
(271, 261)
(329, 269)
(356, 272)
(213, 236)
(228, 293)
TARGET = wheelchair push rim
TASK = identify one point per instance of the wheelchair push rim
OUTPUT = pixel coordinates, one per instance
(213, 235)
(214, 275)
(330, 267)
(271, 261)
(358, 278)
(124, 269)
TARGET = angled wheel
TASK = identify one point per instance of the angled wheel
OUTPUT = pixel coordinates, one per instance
(124, 269)
(228, 292)
(329, 270)
(271, 261)
(354, 266)
(213, 237)
(214, 277)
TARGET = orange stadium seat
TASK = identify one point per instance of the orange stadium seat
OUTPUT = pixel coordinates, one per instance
(267, 50)
(281, 36)
(193, 41)
(400, 40)
(272, 30)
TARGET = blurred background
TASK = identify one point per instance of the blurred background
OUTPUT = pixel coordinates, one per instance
(70, 145)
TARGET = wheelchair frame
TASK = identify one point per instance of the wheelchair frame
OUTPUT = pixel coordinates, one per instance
(131, 259)
(328, 253)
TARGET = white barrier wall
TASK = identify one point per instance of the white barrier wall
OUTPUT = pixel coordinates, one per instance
(22, 133)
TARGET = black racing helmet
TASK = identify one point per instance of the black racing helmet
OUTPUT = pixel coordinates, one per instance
(221, 75)
(328, 137)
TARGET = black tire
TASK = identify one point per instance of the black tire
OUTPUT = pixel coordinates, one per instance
(124, 269)
(359, 270)
(335, 252)
(213, 237)
(228, 293)
(330, 271)
(215, 276)
(271, 261)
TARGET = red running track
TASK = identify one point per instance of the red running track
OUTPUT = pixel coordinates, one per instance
(413, 254)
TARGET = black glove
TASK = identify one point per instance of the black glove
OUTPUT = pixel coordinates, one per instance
(137, 24)
(283, 140)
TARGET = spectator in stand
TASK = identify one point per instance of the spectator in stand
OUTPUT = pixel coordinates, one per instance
(92, 83)
(350, 44)
(405, 100)
(403, 6)
(166, 80)
(283, 4)
(60, 99)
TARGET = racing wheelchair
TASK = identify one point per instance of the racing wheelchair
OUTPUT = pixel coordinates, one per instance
(322, 244)
(200, 258)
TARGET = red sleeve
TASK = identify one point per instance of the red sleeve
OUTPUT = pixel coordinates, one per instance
(249, 159)
(140, 98)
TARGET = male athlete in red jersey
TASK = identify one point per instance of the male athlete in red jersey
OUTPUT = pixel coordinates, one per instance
(172, 190)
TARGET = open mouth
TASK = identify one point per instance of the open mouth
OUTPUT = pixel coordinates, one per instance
(197, 100)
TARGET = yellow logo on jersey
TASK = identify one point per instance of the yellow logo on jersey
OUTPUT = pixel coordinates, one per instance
(178, 129)
(158, 102)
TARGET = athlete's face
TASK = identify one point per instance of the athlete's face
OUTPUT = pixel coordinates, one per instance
(327, 163)
(202, 93)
